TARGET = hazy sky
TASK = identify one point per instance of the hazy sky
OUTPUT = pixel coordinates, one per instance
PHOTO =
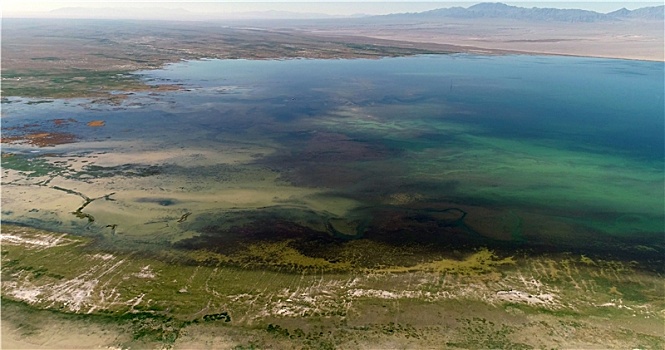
(19, 8)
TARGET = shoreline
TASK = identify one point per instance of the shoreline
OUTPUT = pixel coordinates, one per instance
(468, 46)
(70, 66)
(117, 95)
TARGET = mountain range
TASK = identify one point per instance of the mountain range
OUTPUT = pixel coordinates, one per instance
(478, 11)
(503, 11)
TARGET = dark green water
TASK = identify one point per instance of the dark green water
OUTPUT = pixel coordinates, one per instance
(551, 152)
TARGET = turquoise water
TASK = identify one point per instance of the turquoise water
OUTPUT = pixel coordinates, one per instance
(615, 105)
(550, 151)
(571, 144)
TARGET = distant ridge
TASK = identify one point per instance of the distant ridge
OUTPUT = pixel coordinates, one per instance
(489, 10)
(500, 10)
(650, 13)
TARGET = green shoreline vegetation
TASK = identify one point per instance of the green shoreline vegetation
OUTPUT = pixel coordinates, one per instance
(161, 299)
(70, 84)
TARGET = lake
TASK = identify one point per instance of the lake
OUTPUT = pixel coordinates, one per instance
(442, 151)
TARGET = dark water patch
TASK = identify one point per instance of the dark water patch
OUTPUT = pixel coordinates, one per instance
(397, 235)
(128, 170)
(331, 147)
(228, 232)
(436, 228)
(325, 159)
(160, 201)
(35, 102)
(366, 181)
(442, 231)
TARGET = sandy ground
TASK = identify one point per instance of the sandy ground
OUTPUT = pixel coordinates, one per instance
(58, 334)
(628, 40)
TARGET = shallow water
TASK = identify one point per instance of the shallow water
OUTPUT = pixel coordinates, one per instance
(555, 152)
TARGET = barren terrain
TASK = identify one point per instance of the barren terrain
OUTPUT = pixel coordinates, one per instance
(639, 40)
